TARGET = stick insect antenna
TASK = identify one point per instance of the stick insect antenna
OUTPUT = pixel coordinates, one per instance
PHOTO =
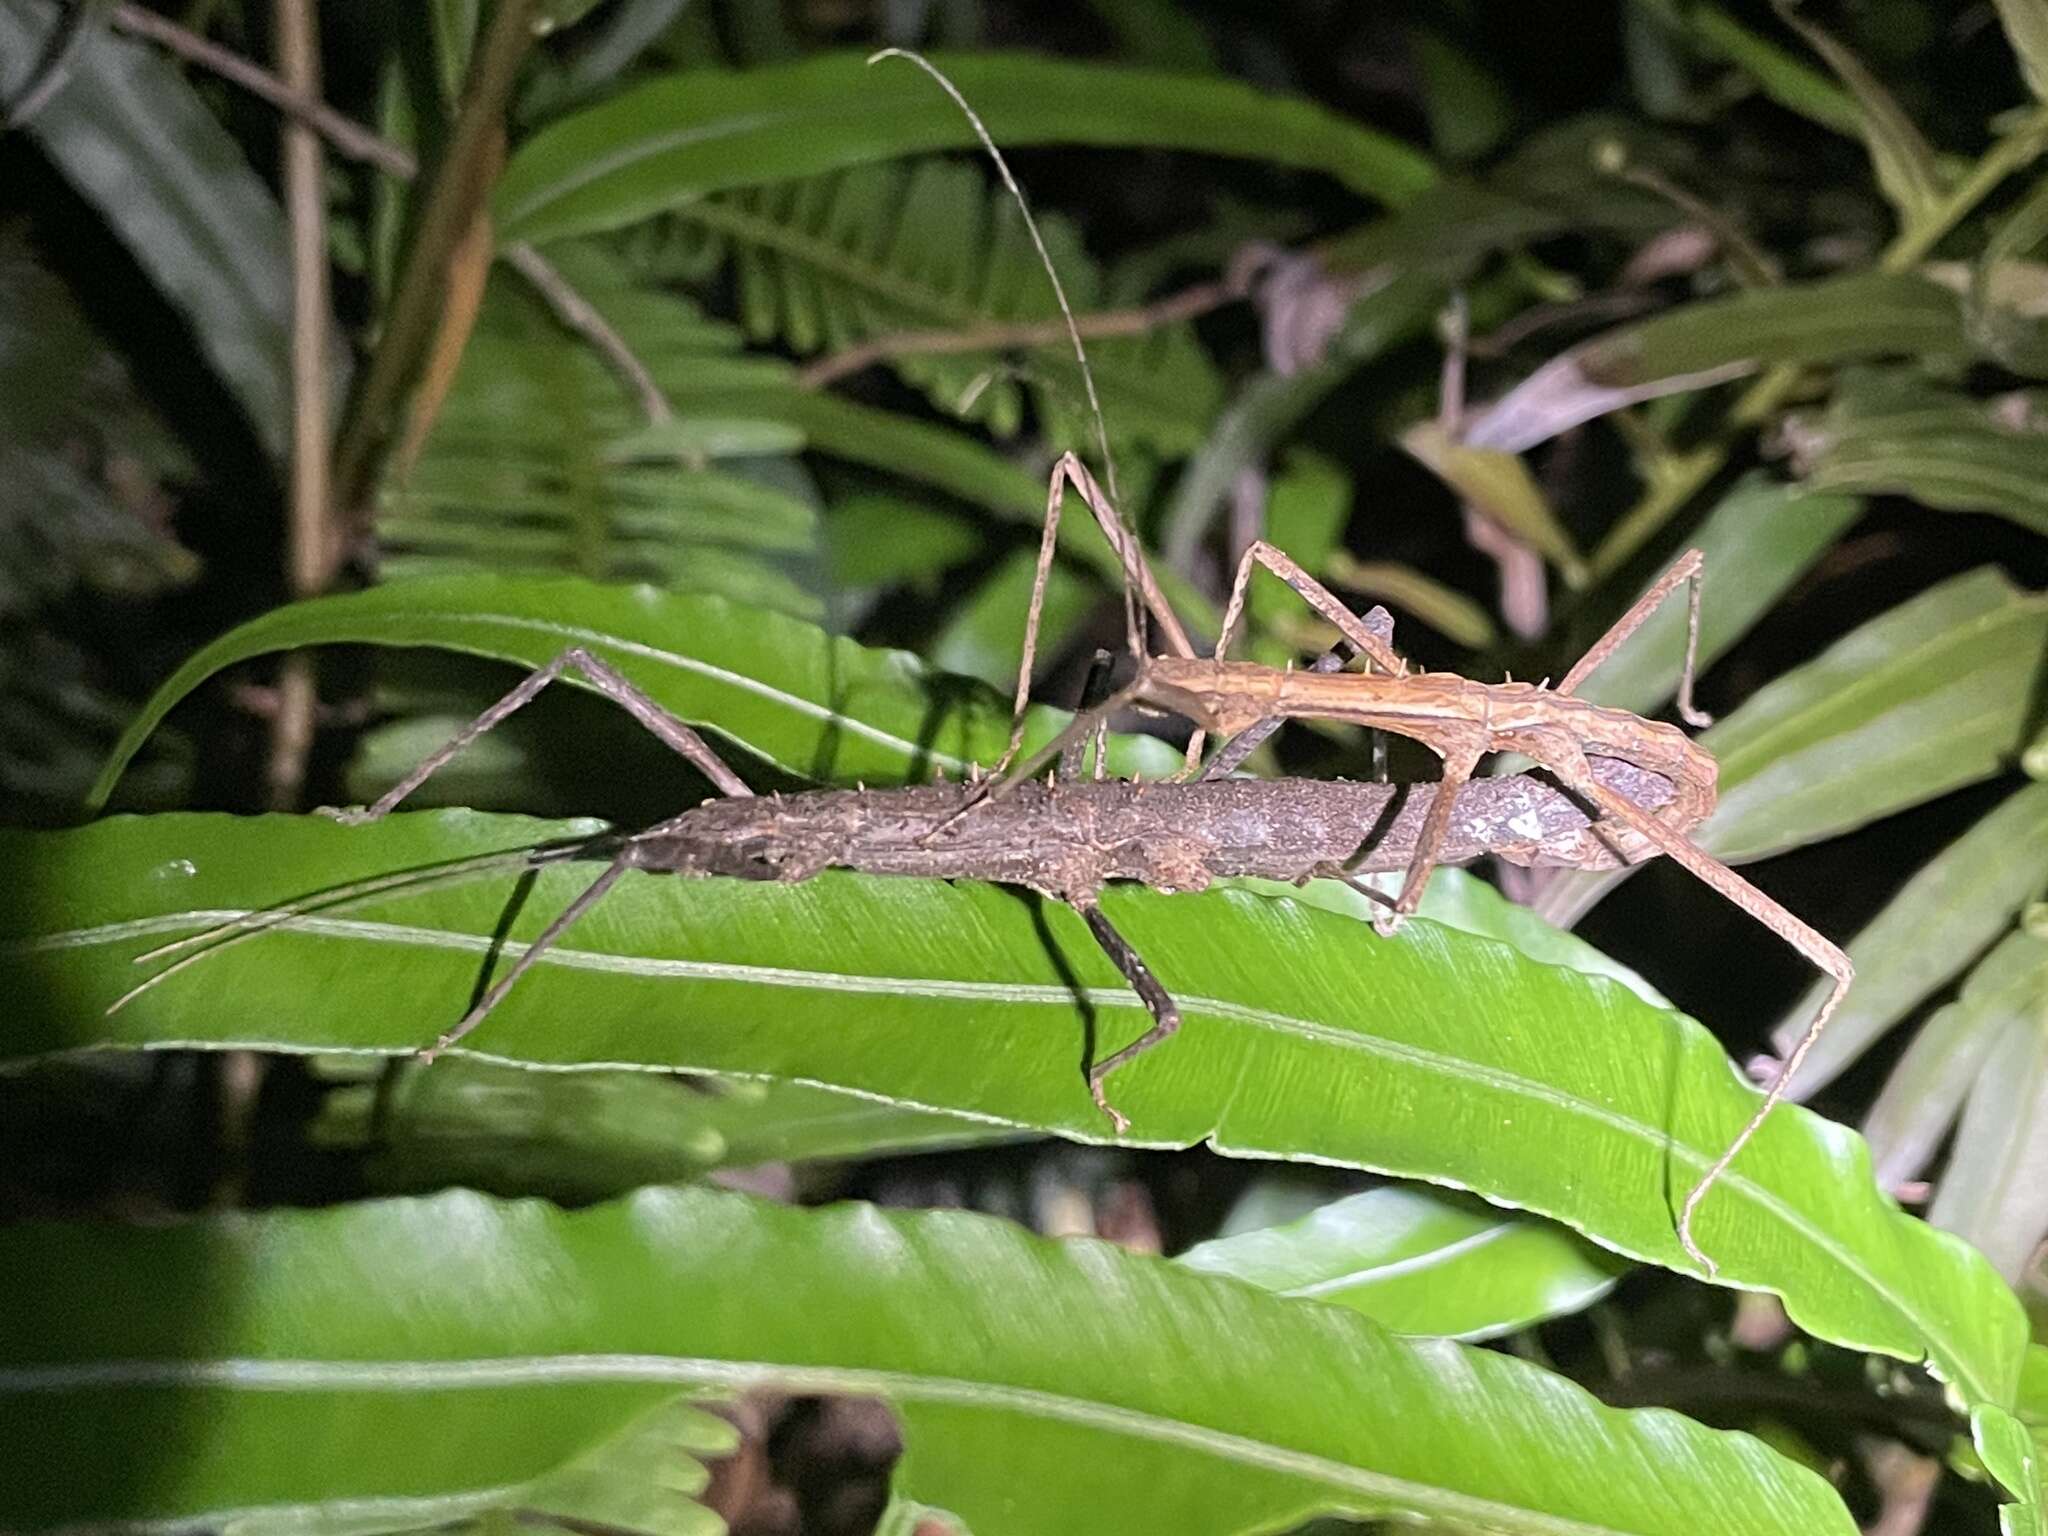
(249, 925)
(1133, 614)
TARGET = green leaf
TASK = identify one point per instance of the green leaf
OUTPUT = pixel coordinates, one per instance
(1041, 1385)
(1897, 433)
(138, 144)
(984, 636)
(1926, 698)
(1419, 1263)
(1437, 1055)
(581, 1136)
(876, 542)
(1759, 539)
(1788, 80)
(1906, 1125)
(2026, 28)
(812, 704)
(1953, 907)
(661, 144)
(1903, 160)
(1994, 1190)
(1832, 320)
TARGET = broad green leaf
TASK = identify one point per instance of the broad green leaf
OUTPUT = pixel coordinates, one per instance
(1419, 1263)
(676, 138)
(1913, 1114)
(1994, 1190)
(1926, 698)
(812, 704)
(1898, 433)
(1459, 899)
(582, 1136)
(138, 144)
(1437, 1055)
(1941, 919)
(1832, 320)
(1902, 158)
(443, 1352)
(1759, 540)
(984, 635)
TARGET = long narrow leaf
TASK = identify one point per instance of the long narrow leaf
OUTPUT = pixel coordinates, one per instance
(670, 140)
(429, 1356)
(817, 706)
(1439, 1055)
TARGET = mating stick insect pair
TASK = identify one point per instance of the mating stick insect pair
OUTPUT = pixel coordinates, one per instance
(1648, 782)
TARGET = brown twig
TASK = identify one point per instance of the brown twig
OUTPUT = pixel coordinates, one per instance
(460, 184)
(352, 139)
(1187, 304)
(582, 317)
(310, 543)
(346, 136)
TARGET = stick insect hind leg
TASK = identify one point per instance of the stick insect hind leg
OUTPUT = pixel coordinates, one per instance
(1573, 770)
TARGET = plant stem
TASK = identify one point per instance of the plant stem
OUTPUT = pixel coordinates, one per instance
(457, 193)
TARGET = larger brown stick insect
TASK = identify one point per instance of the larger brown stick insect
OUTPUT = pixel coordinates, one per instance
(1459, 719)
(1066, 840)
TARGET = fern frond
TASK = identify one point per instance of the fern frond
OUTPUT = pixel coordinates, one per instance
(825, 263)
(540, 460)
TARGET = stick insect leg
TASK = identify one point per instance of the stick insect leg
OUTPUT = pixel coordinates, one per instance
(1249, 740)
(547, 939)
(1158, 1002)
(608, 681)
(1370, 637)
(1689, 567)
(1140, 586)
(1459, 762)
(1094, 689)
(1824, 955)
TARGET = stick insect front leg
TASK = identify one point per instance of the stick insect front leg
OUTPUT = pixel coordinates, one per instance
(1140, 586)
(615, 686)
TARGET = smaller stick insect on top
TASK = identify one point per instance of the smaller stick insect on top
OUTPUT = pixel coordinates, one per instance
(1461, 720)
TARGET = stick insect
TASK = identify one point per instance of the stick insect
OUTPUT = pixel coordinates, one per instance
(1462, 721)
(1066, 839)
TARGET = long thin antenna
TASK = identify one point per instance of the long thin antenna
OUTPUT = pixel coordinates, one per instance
(1031, 226)
(196, 947)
